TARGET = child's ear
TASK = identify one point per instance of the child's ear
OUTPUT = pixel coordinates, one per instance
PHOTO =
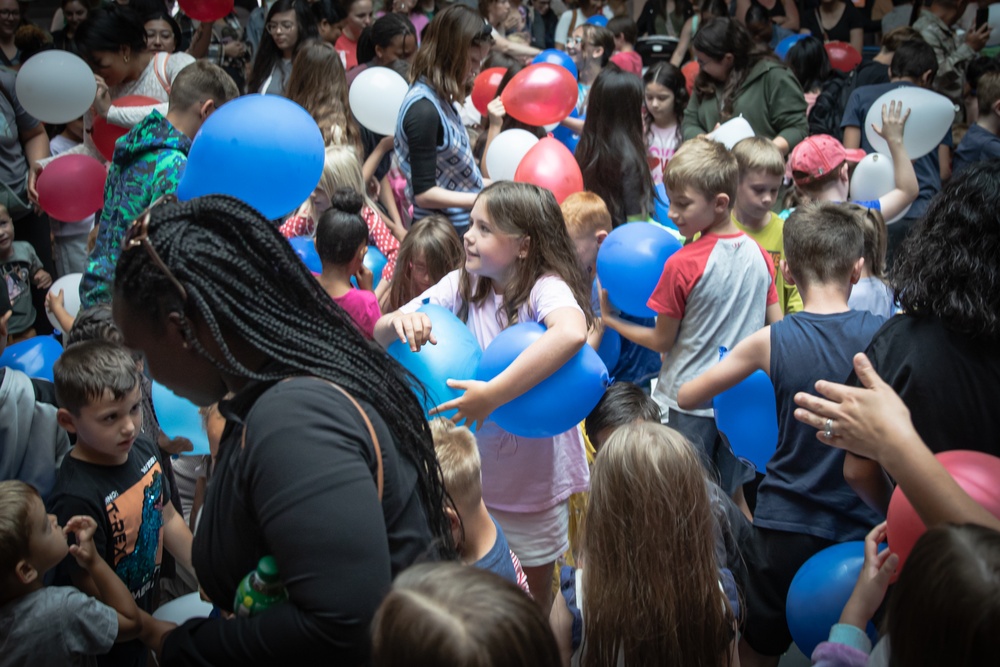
(65, 419)
(722, 202)
(453, 521)
(845, 173)
(362, 251)
(856, 271)
(600, 236)
(926, 79)
(786, 272)
(525, 246)
(995, 108)
(25, 571)
(205, 109)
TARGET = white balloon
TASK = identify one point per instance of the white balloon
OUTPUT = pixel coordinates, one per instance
(551, 127)
(931, 115)
(873, 178)
(507, 151)
(70, 286)
(376, 96)
(183, 609)
(55, 86)
(732, 132)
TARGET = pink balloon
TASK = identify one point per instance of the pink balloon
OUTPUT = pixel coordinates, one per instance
(207, 10)
(550, 165)
(71, 187)
(540, 94)
(976, 472)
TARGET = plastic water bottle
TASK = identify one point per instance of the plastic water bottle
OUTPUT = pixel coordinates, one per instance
(260, 589)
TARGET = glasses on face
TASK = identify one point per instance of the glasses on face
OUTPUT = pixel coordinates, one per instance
(10, 13)
(579, 41)
(138, 235)
(282, 26)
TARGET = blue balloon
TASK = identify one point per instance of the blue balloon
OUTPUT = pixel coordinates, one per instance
(179, 418)
(781, 50)
(630, 263)
(598, 19)
(456, 356)
(375, 261)
(557, 403)
(33, 357)
(305, 248)
(748, 415)
(557, 57)
(820, 591)
(610, 348)
(661, 204)
(263, 149)
(566, 136)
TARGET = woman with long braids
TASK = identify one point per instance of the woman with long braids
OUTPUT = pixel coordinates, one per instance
(343, 494)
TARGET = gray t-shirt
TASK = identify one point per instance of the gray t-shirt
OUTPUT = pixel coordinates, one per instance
(57, 625)
(13, 120)
(17, 271)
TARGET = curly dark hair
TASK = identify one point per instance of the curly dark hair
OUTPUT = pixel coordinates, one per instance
(949, 265)
(242, 275)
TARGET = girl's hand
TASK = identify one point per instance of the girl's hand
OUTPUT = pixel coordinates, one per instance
(496, 111)
(234, 49)
(84, 550)
(365, 278)
(893, 122)
(386, 144)
(55, 302)
(414, 329)
(42, 279)
(474, 406)
(876, 573)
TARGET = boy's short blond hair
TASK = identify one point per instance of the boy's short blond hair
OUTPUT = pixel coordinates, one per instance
(16, 498)
(461, 470)
(988, 91)
(759, 154)
(585, 214)
(705, 166)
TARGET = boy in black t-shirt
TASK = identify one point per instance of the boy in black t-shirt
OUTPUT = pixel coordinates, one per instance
(114, 475)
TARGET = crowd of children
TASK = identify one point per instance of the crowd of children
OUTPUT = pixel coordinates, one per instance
(639, 537)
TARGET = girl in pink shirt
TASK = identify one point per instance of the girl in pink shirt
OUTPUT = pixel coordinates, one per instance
(520, 266)
(341, 243)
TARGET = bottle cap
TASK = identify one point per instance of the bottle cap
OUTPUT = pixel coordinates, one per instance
(267, 569)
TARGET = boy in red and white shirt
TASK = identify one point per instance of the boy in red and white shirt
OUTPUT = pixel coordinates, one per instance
(714, 292)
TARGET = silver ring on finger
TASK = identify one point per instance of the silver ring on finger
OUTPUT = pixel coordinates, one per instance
(828, 430)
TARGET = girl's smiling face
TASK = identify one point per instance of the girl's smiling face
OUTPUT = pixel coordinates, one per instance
(490, 253)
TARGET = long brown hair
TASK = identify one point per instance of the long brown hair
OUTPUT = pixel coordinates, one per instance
(950, 588)
(651, 580)
(443, 55)
(434, 239)
(521, 209)
(319, 85)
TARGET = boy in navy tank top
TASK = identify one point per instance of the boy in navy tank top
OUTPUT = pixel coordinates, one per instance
(803, 504)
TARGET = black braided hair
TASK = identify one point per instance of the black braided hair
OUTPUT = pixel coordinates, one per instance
(241, 275)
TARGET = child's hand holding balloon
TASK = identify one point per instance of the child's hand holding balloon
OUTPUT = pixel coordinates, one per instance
(474, 406)
(414, 329)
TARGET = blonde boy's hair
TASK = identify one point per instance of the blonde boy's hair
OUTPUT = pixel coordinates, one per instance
(585, 213)
(759, 154)
(458, 454)
(703, 165)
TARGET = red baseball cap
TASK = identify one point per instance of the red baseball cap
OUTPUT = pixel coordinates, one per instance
(817, 156)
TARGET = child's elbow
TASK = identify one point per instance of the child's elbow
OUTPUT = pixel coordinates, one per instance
(129, 626)
(685, 398)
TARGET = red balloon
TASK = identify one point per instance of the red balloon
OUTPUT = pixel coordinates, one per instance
(71, 187)
(550, 165)
(106, 134)
(207, 10)
(540, 94)
(976, 472)
(843, 56)
(484, 88)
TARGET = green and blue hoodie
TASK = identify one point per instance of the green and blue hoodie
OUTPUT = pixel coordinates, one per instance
(148, 163)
